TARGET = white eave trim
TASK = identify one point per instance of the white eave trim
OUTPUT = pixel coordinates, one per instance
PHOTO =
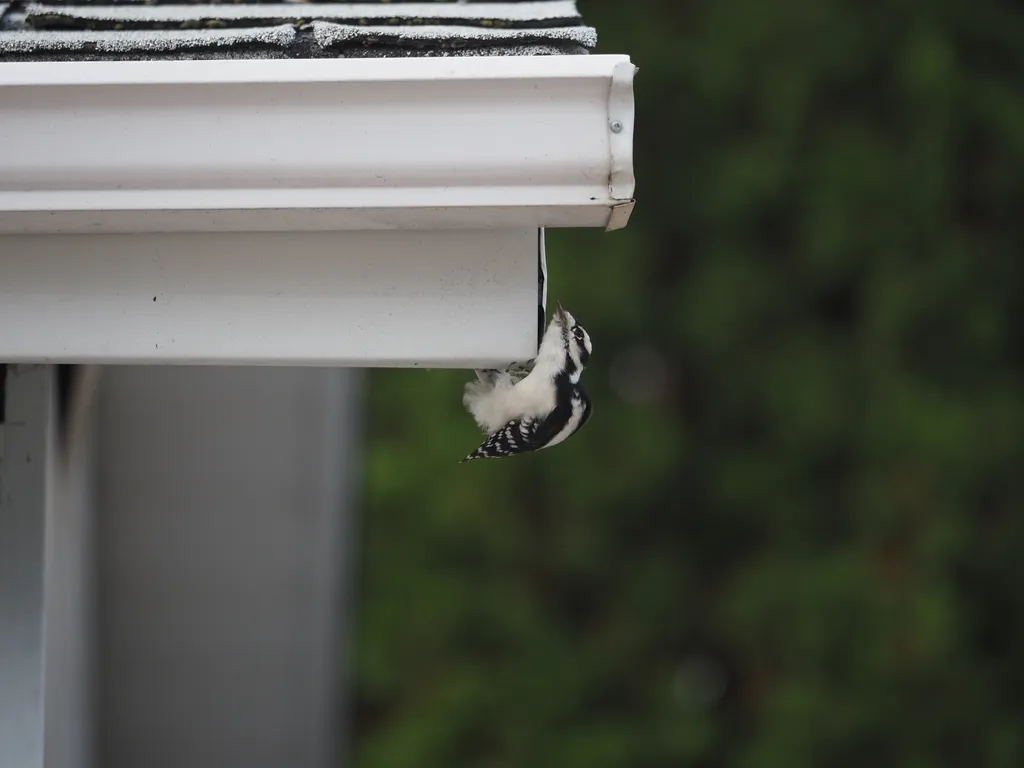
(316, 144)
(415, 298)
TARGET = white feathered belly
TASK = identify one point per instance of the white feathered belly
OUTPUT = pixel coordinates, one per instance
(494, 406)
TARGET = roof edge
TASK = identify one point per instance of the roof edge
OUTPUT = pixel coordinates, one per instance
(276, 144)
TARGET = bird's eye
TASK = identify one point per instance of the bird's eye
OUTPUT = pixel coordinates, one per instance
(578, 333)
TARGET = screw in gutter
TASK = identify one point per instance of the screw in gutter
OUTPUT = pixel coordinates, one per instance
(615, 126)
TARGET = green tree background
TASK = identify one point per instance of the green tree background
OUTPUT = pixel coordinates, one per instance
(793, 532)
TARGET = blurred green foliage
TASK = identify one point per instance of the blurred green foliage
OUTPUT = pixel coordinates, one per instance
(793, 532)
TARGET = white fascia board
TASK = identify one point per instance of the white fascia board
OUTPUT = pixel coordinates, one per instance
(316, 144)
(442, 299)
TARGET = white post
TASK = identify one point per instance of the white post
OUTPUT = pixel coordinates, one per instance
(27, 435)
(222, 539)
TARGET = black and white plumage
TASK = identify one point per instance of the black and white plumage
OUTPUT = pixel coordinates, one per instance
(529, 408)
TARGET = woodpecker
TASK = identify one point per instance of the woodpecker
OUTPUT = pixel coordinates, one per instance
(529, 408)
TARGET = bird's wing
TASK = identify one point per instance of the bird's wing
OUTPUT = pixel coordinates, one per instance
(515, 437)
(518, 436)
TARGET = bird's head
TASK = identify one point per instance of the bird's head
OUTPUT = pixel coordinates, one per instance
(574, 339)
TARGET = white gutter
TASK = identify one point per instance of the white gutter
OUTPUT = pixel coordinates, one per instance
(316, 144)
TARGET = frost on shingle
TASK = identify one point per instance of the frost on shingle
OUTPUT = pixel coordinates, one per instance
(329, 35)
(154, 29)
(111, 44)
(370, 51)
(488, 15)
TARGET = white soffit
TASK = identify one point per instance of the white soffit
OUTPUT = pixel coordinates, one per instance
(316, 144)
(464, 299)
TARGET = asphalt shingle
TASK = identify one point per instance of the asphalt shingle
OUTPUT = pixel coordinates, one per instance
(151, 29)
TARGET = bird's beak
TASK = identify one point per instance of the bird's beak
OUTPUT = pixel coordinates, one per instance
(560, 312)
